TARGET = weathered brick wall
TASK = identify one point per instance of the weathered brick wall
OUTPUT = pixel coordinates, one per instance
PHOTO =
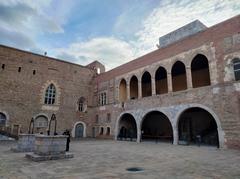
(22, 93)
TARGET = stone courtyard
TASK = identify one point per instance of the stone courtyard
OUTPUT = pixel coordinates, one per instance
(95, 159)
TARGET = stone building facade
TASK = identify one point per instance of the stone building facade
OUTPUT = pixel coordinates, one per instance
(185, 92)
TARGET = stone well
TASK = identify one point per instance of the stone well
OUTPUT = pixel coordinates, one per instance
(49, 148)
(26, 143)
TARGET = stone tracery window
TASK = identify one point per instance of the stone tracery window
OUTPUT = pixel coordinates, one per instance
(236, 68)
(50, 94)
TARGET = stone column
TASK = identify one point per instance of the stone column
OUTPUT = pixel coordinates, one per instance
(169, 79)
(175, 135)
(128, 91)
(138, 133)
(139, 89)
(153, 87)
(189, 77)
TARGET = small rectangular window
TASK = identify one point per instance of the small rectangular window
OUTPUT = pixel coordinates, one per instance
(3, 66)
(34, 72)
(19, 69)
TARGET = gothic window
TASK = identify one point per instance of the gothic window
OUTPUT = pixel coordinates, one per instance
(2, 119)
(108, 117)
(50, 94)
(81, 104)
(236, 68)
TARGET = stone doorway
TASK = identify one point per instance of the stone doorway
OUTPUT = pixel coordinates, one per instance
(79, 130)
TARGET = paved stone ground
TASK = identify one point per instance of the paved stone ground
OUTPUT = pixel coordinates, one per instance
(109, 160)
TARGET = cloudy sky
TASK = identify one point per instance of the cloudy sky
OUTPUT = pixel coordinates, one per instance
(113, 32)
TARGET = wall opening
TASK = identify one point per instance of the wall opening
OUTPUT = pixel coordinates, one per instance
(108, 131)
(156, 126)
(161, 81)
(197, 126)
(236, 68)
(127, 128)
(200, 71)
(123, 91)
(79, 130)
(146, 84)
(134, 88)
(3, 119)
(101, 131)
(179, 78)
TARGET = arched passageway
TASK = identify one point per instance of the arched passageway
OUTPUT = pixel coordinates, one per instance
(156, 126)
(134, 88)
(161, 81)
(146, 84)
(123, 91)
(197, 126)
(127, 127)
(200, 71)
(179, 78)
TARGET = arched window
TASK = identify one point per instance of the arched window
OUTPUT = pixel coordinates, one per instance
(146, 84)
(123, 91)
(236, 68)
(2, 119)
(134, 88)
(179, 78)
(82, 104)
(161, 81)
(50, 94)
(200, 71)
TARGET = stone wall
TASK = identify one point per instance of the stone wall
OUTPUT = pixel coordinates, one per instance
(22, 93)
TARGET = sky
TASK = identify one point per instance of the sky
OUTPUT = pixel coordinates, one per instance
(110, 31)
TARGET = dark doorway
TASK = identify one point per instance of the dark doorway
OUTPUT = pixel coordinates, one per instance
(156, 126)
(197, 126)
(127, 128)
(79, 130)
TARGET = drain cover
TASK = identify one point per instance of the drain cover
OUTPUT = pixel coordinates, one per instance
(134, 169)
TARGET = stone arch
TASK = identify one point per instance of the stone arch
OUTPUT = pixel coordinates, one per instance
(44, 88)
(133, 87)
(84, 128)
(108, 131)
(123, 90)
(161, 80)
(159, 129)
(130, 125)
(146, 81)
(211, 112)
(179, 77)
(200, 71)
(6, 117)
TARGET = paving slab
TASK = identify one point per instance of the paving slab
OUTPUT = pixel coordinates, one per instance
(97, 159)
